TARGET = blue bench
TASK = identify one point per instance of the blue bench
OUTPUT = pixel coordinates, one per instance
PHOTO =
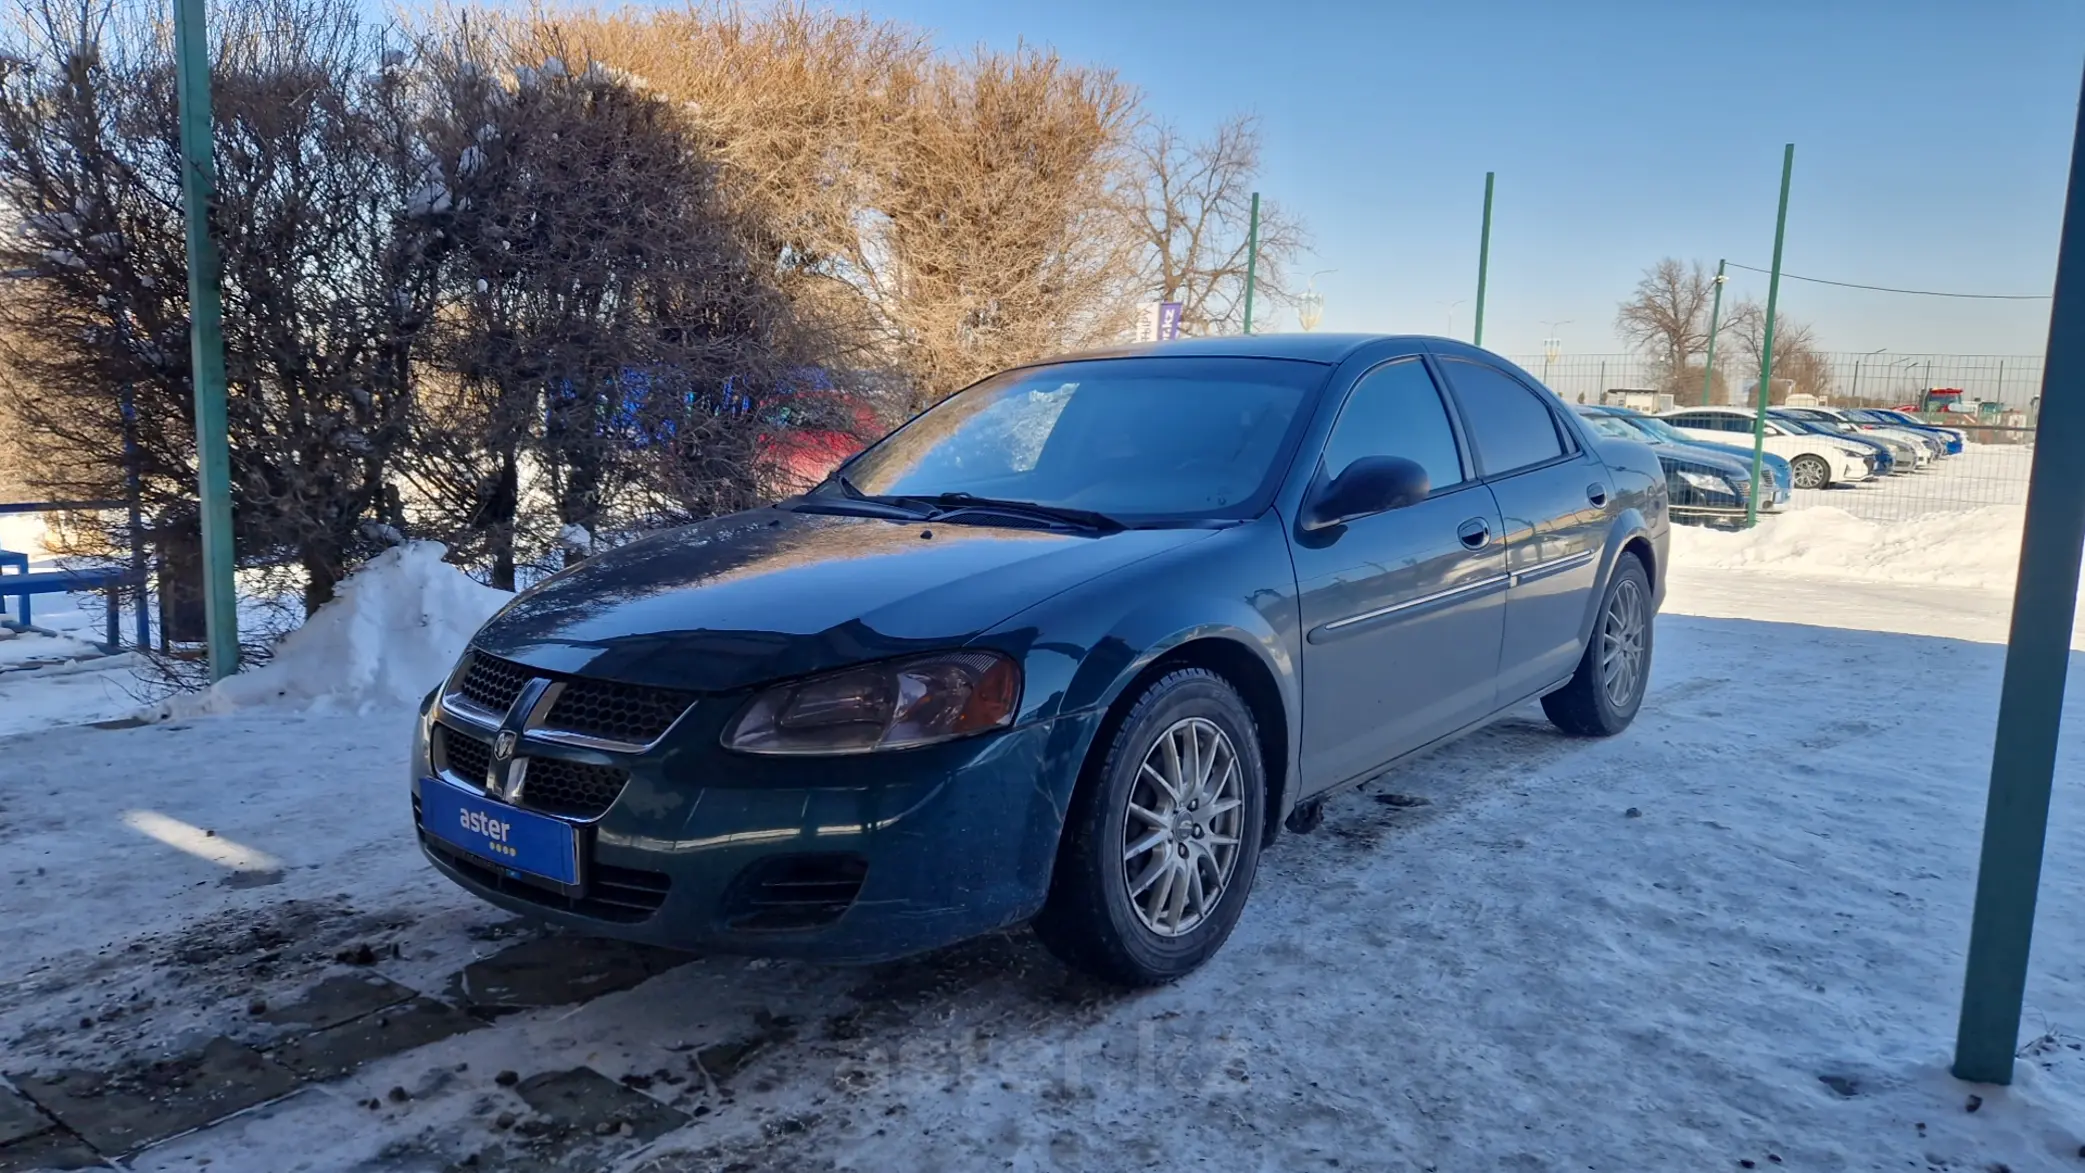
(63, 582)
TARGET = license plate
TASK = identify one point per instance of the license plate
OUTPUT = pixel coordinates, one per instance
(508, 838)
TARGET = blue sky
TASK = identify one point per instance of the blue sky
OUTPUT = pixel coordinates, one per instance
(1932, 142)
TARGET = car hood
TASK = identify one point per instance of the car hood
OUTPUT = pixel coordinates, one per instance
(1703, 458)
(773, 593)
(1743, 456)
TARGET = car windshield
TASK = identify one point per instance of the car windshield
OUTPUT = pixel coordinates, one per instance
(1656, 429)
(1134, 439)
(1612, 425)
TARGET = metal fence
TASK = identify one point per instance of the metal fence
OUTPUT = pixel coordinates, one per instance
(1991, 469)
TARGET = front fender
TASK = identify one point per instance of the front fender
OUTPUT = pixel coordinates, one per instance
(1083, 649)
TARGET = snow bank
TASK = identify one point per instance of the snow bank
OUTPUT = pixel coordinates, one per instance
(1975, 548)
(393, 631)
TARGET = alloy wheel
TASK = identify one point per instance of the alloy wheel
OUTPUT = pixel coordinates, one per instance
(1181, 837)
(1810, 473)
(1621, 644)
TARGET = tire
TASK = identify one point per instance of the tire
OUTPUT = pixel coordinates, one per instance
(1595, 703)
(1097, 918)
(1811, 472)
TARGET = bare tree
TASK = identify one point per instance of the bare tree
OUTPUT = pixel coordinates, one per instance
(803, 112)
(943, 218)
(1799, 367)
(997, 245)
(323, 303)
(603, 326)
(1667, 317)
(1191, 204)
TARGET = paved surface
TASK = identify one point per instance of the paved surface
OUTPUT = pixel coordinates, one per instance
(84, 1118)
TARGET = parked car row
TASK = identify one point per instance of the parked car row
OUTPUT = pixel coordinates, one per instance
(1827, 447)
(1704, 481)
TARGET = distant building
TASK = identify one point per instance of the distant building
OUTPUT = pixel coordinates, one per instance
(1648, 400)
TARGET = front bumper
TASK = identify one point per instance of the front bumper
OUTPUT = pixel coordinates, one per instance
(847, 860)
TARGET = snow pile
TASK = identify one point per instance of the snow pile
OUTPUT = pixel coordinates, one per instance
(395, 628)
(1975, 548)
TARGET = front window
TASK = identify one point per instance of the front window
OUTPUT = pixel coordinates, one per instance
(1132, 438)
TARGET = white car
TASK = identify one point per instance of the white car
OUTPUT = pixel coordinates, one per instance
(1818, 461)
(1924, 448)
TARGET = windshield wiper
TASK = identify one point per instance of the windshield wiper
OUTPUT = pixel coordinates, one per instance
(1082, 518)
(851, 500)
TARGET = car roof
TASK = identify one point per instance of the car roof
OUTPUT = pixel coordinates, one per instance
(1330, 349)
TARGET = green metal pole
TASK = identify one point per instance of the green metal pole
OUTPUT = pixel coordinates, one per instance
(1708, 373)
(1766, 346)
(2030, 704)
(1252, 258)
(1483, 262)
(206, 337)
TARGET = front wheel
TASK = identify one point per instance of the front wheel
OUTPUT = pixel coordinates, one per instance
(1811, 472)
(1163, 837)
(1607, 690)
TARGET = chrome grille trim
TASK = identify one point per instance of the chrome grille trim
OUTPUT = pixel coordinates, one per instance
(469, 714)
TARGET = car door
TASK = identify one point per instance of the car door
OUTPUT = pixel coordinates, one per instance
(1555, 498)
(1402, 611)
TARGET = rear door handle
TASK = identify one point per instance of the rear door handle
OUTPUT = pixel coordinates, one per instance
(1597, 494)
(1475, 533)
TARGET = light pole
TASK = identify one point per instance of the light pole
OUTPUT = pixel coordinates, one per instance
(1310, 307)
(1708, 364)
(1451, 314)
(206, 336)
(1890, 373)
(1552, 346)
(1252, 258)
(1855, 394)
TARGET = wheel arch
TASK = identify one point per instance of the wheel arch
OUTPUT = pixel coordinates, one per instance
(1243, 663)
(1629, 534)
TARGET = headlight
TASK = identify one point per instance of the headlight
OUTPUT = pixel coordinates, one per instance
(894, 705)
(1709, 482)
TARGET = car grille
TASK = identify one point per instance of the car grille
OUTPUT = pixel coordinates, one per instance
(793, 893)
(617, 712)
(629, 715)
(492, 683)
(573, 789)
(464, 756)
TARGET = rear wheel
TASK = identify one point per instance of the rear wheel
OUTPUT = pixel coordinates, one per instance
(1811, 472)
(1607, 690)
(1163, 838)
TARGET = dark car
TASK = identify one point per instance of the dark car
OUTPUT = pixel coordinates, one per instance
(1067, 648)
(1702, 485)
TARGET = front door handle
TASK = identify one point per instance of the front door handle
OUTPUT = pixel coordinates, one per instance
(1597, 494)
(1474, 533)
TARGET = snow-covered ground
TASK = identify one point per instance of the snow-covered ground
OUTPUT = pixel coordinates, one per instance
(1733, 934)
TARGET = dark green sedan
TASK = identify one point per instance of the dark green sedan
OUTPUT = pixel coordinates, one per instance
(1067, 649)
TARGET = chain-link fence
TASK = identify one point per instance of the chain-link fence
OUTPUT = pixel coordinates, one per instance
(1984, 407)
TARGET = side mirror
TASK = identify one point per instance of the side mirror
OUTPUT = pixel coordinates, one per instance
(1370, 485)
